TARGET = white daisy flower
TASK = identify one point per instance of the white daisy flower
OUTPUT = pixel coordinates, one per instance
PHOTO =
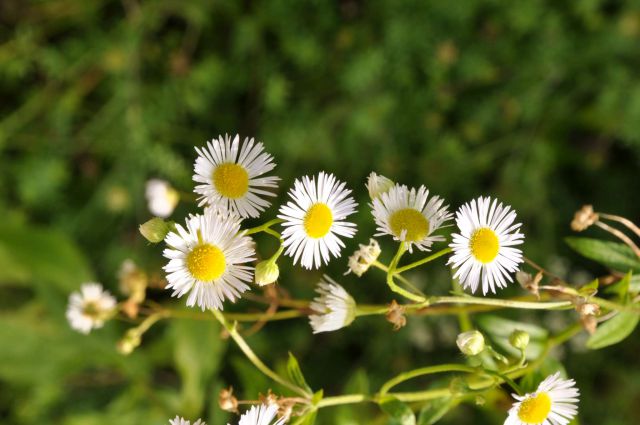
(315, 219)
(229, 175)
(179, 421)
(207, 259)
(483, 251)
(363, 258)
(89, 308)
(335, 308)
(410, 216)
(553, 403)
(261, 415)
(161, 198)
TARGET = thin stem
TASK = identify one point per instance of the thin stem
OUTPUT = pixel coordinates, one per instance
(617, 233)
(391, 272)
(401, 278)
(557, 305)
(342, 399)
(630, 224)
(263, 227)
(253, 358)
(425, 371)
(425, 260)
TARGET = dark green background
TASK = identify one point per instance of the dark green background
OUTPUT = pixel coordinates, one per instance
(536, 102)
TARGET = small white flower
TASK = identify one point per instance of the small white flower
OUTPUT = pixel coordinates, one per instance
(261, 415)
(89, 308)
(207, 259)
(553, 403)
(335, 308)
(363, 258)
(377, 185)
(161, 198)
(483, 250)
(315, 219)
(410, 216)
(179, 421)
(229, 176)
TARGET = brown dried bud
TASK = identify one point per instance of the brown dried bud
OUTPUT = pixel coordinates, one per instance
(227, 400)
(585, 308)
(395, 315)
(529, 283)
(583, 218)
(285, 408)
(589, 323)
(130, 308)
(268, 399)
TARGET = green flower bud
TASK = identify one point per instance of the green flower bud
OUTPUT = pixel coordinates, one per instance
(267, 272)
(129, 342)
(155, 230)
(377, 185)
(519, 339)
(471, 343)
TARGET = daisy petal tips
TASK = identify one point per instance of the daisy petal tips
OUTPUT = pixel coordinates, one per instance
(207, 259)
(230, 176)
(315, 217)
(483, 251)
(553, 403)
(410, 216)
(261, 415)
(180, 421)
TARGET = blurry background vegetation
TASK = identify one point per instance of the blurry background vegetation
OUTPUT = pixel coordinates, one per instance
(536, 102)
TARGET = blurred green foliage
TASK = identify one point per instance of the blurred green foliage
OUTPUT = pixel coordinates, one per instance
(536, 102)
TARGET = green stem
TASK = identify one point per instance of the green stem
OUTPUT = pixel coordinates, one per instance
(557, 305)
(424, 260)
(342, 399)
(263, 227)
(425, 371)
(391, 272)
(253, 358)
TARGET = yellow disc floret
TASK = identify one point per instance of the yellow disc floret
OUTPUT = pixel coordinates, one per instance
(410, 220)
(484, 245)
(318, 220)
(534, 410)
(231, 180)
(206, 262)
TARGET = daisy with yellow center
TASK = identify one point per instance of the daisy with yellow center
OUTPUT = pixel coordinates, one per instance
(410, 216)
(207, 259)
(484, 250)
(315, 218)
(230, 176)
(553, 403)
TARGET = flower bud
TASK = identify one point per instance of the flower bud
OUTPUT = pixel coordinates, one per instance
(129, 342)
(377, 185)
(471, 343)
(519, 339)
(155, 230)
(267, 272)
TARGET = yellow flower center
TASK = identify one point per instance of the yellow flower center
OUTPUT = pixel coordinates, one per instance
(411, 220)
(91, 309)
(231, 180)
(318, 220)
(206, 262)
(535, 410)
(484, 245)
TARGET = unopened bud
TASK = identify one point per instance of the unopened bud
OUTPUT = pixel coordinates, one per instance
(267, 272)
(471, 343)
(377, 185)
(155, 230)
(519, 339)
(227, 401)
(129, 342)
(583, 218)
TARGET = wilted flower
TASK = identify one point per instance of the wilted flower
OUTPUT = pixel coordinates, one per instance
(363, 258)
(377, 185)
(227, 400)
(583, 218)
(334, 307)
(395, 315)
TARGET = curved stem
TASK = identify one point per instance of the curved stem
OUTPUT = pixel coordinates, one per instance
(253, 358)
(425, 260)
(425, 371)
(630, 224)
(263, 227)
(391, 272)
(556, 305)
(617, 233)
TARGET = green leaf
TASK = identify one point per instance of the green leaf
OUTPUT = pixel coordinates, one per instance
(433, 411)
(590, 289)
(293, 369)
(621, 288)
(616, 256)
(613, 330)
(398, 410)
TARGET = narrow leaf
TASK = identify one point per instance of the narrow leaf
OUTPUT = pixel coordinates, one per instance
(616, 256)
(613, 330)
(293, 369)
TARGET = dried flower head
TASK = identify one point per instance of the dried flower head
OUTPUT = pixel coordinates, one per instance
(227, 400)
(583, 218)
(395, 315)
(363, 258)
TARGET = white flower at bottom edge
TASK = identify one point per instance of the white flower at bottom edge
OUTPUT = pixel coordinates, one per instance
(335, 308)
(553, 403)
(89, 308)
(207, 260)
(179, 421)
(261, 415)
